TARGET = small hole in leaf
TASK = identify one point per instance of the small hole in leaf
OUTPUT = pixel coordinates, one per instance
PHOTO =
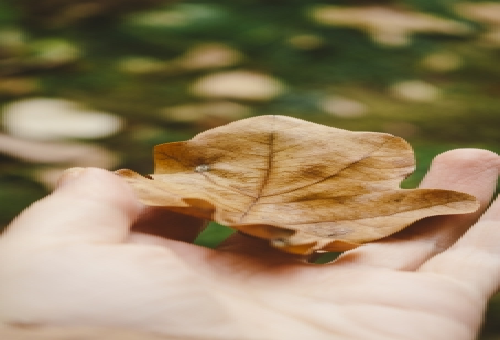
(202, 168)
(279, 242)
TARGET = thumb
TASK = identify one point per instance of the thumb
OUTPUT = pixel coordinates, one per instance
(89, 205)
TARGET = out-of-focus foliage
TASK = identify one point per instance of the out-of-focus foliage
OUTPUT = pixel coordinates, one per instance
(61, 13)
(124, 75)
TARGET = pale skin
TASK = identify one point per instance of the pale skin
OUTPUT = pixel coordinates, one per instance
(91, 255)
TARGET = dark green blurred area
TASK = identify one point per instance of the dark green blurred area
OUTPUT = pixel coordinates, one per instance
(141, 60)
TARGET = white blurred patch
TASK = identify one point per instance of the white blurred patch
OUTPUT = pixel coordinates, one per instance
(12, 38)
(60, 155)
(175, 16)
(53, 119)
(76, 154)
(210, 55)
(343, 107)
(199, 57)
(190, 113)
(415, 90)
(387, 26)
(53, 52)
(241, 84)
(160, 18)
(486, 13)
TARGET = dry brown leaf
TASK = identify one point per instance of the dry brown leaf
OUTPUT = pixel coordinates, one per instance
(303, 186)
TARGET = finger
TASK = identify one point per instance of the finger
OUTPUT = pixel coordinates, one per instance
(474, 259)
(59, 332)
(164, 223)
(468, 170)
(90, 205)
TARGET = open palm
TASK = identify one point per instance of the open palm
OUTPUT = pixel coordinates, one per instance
(78, 258)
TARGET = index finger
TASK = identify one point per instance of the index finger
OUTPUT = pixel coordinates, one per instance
(91, 205)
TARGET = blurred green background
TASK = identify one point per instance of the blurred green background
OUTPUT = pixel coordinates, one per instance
(100, 82)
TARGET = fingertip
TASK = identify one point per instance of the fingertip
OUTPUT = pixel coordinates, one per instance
(467, 158)
(474, 171)
(89, 205)
(68, 176)
(101, 185)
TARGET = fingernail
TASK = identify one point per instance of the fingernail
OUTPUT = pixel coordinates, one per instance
(68, 176)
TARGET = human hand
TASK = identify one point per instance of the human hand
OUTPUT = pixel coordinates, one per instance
(91, 255)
